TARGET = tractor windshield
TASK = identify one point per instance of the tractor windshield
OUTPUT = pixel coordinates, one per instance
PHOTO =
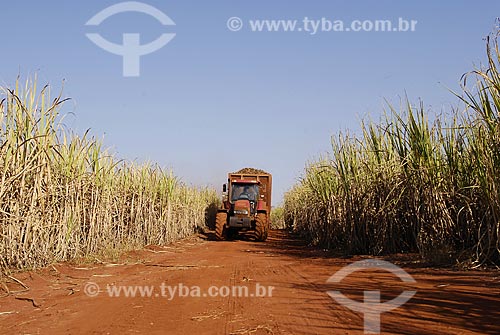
(244, 192)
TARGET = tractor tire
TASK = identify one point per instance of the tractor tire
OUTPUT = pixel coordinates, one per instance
(220, 226)
(261, 227)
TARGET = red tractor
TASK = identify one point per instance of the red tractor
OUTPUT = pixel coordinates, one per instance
(246, 205)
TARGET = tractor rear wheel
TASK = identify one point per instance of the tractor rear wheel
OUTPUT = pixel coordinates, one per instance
(220, 226)
(261, 227)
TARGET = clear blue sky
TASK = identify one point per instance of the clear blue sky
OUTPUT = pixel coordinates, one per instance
(292, 90)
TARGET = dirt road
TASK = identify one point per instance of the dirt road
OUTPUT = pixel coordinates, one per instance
(446, 302)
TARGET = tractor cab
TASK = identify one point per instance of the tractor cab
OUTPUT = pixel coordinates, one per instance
(244, 195)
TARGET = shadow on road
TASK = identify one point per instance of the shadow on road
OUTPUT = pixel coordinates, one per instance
(446, 299)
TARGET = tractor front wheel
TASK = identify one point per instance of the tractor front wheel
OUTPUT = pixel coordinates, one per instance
(220, 226)
(261, 227)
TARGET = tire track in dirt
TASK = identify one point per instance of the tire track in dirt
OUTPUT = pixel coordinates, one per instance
(231, 303)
